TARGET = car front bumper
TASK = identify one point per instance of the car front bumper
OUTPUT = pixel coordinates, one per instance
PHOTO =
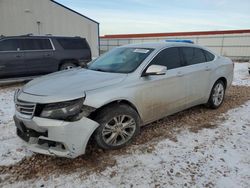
(55, 137)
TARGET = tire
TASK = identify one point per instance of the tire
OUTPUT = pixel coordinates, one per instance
(217, 95)
(112, 134)
(67, 66)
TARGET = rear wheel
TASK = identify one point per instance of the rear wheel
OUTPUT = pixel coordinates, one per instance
(119, 124)
(67, 66)
(217, 95)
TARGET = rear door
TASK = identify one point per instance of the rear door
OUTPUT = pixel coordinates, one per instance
(39, 56)
(11, 59)
(197, 71)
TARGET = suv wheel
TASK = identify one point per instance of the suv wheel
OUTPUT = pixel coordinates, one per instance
(119, 124)
(67, 66)
(217, 95)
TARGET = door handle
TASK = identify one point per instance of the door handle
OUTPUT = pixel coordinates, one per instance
(208, 69)
(18, 56)
(47, 55)
(180, 74)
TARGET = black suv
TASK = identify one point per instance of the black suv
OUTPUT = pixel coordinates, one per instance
(23, 56)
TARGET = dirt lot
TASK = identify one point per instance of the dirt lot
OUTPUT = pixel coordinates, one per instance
(96, 159)
(33, 168)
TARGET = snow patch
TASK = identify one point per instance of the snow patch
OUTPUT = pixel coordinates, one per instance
(210, 158)
(241, 74)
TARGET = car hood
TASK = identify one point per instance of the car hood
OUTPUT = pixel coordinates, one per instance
(71, 83)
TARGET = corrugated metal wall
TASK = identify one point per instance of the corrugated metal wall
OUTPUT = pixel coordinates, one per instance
(40, 17)
(235, 46)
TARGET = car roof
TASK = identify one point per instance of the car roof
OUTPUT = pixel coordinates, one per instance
(159, 45)
(37, 36)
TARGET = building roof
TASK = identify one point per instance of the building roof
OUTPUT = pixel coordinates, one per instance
(176, 34)
(73, 11)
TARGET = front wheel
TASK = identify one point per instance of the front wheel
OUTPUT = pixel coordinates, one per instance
(67, 66)
(119, 124)
(217, 95)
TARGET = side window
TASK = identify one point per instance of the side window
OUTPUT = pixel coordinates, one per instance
(209, 56)
(44, 44)
(72, 43)
(9, 45)
(193, 55)
(35, 44)
(169, 57)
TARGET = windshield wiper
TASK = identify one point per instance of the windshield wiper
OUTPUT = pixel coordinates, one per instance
(100, 70)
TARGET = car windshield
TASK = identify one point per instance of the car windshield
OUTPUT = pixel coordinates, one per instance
(120, 60)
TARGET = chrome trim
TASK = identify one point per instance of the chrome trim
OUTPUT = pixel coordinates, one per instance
(24, 110)
(52, 44)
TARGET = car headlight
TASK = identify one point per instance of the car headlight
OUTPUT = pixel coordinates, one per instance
(68, 110)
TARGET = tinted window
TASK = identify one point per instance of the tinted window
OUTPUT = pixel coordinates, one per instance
(169, 57)
(193, 55)
(9, 45)
(209, 56)
(73, 44)
(35, 44)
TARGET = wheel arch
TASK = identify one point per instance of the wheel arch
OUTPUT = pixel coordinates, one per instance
(224, 80)
(72, 60)
(120, 101)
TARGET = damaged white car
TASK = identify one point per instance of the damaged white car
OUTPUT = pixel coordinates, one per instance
(124, 89)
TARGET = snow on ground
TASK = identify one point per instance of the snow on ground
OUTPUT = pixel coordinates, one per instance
(213, 157)
(210, 158)
(6, 105)
(11, 149)
(241, 75)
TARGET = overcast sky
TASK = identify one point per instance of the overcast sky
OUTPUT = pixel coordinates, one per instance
(155, 16)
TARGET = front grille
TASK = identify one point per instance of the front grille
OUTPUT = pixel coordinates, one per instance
(25, 109)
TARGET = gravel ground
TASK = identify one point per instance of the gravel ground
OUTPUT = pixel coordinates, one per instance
(97, 160)
(40, 169)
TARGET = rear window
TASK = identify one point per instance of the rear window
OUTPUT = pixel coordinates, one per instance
(9, 45)
(193, 55)
(35, 44)
(73, 44)
(209, 56)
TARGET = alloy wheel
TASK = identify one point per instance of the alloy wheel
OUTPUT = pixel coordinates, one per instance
(119, 130)
(218, 94)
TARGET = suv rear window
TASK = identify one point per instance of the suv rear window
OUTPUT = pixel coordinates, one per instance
(73, 44)
(35, 44)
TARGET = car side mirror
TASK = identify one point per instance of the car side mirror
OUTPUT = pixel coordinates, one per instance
(155, 70)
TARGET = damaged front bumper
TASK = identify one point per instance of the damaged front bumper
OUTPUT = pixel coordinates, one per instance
(55, 137)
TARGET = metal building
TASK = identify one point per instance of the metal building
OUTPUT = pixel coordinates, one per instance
(232, 43)
(41, 17)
